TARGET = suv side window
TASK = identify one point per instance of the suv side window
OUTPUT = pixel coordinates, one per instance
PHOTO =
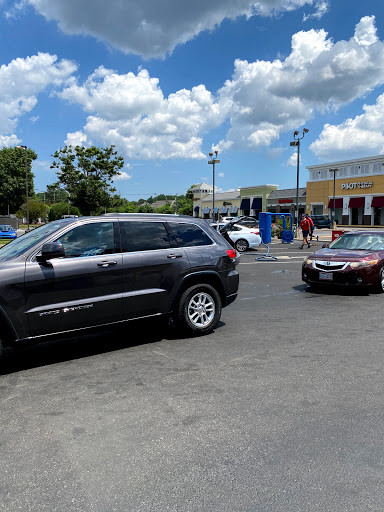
(91, 239)
(189, 235)
(144, 236)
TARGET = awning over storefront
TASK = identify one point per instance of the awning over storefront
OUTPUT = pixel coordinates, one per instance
(215, 210)
(224, 209)
(356, 202)
(245, 204)
(233, 209)
(257, 203)
(206, 210)
(197, 208)
(338, 203)
(378, 202)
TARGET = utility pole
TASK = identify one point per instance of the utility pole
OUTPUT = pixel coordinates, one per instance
(296, 142)
(213, 161)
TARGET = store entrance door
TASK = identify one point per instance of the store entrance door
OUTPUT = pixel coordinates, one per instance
(357, 216)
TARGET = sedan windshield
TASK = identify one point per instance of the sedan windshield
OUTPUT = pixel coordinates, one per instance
(23, 243)
(359, 241)
(5, 228)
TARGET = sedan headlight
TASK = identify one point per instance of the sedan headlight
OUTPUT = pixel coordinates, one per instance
(308, 262)
(363, 263)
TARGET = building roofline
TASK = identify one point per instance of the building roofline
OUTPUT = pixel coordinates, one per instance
(342, 163)
(258, 186)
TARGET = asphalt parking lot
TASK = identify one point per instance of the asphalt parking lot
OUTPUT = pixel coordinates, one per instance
(279, 410)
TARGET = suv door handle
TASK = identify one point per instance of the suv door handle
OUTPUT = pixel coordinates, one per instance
(173, 256)
(107, 263)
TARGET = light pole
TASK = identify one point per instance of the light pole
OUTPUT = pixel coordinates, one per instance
(26, 182)
(68, 198)
(296, 142)
(213, 161)
(334, 192)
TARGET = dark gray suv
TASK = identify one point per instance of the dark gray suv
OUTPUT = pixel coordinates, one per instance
(79, 273)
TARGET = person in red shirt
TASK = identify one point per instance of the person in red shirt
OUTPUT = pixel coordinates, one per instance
(305, 226)
(311, 227)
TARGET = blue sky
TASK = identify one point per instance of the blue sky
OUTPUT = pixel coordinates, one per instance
(166, 81)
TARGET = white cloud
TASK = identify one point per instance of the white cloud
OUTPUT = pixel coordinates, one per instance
(265, 98)
(321, 8)
(262, 100)
(21, 81)
(220, 174)
(363, 135)
(131, 112)
(122, 176)
(365, 33)
(152, 29)
(76, 139)
(292, 160)
(9, 140)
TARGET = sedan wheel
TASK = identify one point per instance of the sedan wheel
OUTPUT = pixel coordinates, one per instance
(241, 245)
(381, 281)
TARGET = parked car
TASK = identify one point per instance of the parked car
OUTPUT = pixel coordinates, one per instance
(248, 222)
(7, 231)
(75, 274)
(321, 221)
(243, 238)
(355, 258)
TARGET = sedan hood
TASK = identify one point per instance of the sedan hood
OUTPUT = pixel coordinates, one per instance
(342, 255)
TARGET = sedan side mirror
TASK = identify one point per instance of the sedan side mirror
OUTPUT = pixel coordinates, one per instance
(50, 251)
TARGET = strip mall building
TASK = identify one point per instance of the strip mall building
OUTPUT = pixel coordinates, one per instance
(359, 191)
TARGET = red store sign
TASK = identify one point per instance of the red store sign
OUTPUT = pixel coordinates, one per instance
(280, 201)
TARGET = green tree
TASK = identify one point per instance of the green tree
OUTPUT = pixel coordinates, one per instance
(87, 173)
(12, 178)
(37, 210)
(60, 209)
(145, 208)
(167, 208)
(185, 203)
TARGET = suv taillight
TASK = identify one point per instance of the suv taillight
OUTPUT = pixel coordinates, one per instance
(232, 253)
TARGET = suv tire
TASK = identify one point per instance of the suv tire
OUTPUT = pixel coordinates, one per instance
(199, 309)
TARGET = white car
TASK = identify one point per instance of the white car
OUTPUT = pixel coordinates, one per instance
(243, 238)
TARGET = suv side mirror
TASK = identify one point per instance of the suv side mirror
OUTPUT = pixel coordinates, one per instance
(50, 251)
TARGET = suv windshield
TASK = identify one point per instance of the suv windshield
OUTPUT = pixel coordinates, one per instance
(364, 242)
(4, 227)
(18, 246)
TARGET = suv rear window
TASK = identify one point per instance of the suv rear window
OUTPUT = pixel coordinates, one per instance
(144, 236)
(189, 235)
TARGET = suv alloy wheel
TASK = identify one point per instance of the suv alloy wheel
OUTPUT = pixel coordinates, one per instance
(199, 309)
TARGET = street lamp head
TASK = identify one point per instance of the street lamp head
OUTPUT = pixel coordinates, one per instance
(216, 153)
(305, 130)
(24, 147)
(211, 154)
(295, 133)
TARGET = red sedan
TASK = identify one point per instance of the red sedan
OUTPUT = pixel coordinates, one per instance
(356, 259)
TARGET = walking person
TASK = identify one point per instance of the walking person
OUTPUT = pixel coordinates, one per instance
(305, 228)
(311, 227)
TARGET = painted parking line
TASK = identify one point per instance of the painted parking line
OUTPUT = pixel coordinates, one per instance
(270, 295)
(285, 258)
